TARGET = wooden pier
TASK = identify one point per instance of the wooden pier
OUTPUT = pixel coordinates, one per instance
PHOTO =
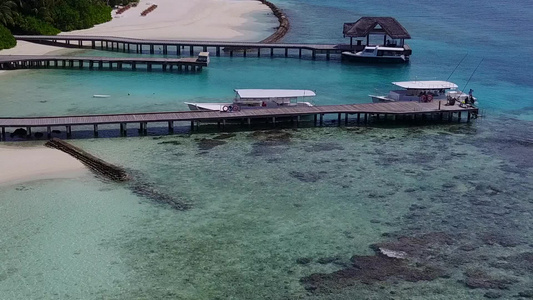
(11, 62)
(178, 47)
(359, 113)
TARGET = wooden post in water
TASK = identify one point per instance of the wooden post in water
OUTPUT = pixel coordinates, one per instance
(339, 119)
(459, 117)
(170, 126)
(321, 119)
(3, 134)
(191, 50)
(366, 118)
(346, 119)
(49, 131)
(218, 51)
(68, 129)
(152, 49)
(123, 129)
(271, 52)
(95, 130)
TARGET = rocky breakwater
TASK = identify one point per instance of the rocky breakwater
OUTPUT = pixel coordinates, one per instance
(280, 32)
(284, 24)
(105, 169)
(136, 182)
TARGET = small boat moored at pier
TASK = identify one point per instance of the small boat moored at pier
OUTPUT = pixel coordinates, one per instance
(377, 54)
(425, 91)
(257, 99)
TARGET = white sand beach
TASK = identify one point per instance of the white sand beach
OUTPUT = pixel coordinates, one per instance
(23, 164)
(173, 19)
(183, 19)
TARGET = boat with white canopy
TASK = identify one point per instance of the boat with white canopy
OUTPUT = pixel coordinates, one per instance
(425, 91)
(257, 99)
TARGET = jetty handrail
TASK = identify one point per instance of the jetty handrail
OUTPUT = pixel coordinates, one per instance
(168, 41)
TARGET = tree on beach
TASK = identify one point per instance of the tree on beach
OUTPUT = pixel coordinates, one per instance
(7, 12)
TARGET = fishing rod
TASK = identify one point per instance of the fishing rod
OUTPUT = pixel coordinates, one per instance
(456, 67)
(472, 74)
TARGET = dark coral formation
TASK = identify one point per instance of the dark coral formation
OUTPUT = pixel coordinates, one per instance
(425, 258)
(407, 259)
(208, 144)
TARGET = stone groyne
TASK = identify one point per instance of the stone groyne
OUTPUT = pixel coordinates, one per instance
(137, 184)
(284, 24)
(96, 165)
(281, 31)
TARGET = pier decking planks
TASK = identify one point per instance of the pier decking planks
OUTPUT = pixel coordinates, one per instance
(38, 61)
(393, 108)
(113, 43)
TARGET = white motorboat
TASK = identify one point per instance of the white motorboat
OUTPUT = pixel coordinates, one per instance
(426, 91)
(101, 96)
(257, 99)
(378, 54)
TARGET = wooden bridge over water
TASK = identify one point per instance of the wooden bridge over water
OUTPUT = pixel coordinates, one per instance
(177, 47)
(433, 111)
(11, 62)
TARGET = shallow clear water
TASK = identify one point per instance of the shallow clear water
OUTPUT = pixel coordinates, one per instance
(271, 207)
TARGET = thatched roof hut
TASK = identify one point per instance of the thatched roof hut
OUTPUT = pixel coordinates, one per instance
(394, 34)
(369, 25)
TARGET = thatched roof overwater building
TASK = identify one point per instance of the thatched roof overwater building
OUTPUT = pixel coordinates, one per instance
(374, 25)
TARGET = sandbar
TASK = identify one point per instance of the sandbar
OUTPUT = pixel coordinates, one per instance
(31, 163)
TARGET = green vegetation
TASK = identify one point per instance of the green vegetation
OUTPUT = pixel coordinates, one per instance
(6, 38)
(49, 17)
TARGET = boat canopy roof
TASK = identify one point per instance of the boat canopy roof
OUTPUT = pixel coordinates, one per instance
(269, 93)
(426, 85)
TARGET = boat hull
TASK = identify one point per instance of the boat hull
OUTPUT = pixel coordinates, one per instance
(352, 57)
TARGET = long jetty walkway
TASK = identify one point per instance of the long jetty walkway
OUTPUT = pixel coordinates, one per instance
(435, 110)
(166, 47)
(11, 62)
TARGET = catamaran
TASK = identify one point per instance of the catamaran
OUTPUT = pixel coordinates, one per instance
(426, 91)
(257, 99)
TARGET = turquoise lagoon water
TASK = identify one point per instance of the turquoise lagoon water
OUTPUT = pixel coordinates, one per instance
(272, 207)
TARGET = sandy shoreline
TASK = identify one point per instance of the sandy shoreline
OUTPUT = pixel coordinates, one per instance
(172, 19)
(23, 164)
